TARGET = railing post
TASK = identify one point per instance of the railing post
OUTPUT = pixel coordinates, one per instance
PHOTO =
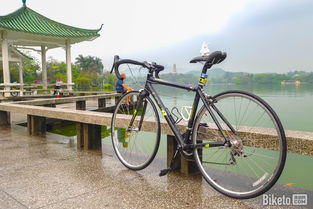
(81, 105)
(116, 99)
(36, 125)
(171, 148)
(29, 124)
(101, 103)
(94, 135)
(81, 129)
(88, 136)
(5, 118)
(186, 167)
(50, 105)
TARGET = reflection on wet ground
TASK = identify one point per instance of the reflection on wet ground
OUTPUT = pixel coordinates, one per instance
(50, 172)
(42, 173)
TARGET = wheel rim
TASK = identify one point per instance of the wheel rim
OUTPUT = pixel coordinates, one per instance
(135, 149)
(249, 167)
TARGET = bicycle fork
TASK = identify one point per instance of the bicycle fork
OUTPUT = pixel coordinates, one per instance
(138, 105)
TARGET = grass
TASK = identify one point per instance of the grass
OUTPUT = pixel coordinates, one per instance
(70, 130)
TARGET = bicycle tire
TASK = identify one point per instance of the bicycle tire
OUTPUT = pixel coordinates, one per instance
(14, 94)
(229, 180)
(139, 152)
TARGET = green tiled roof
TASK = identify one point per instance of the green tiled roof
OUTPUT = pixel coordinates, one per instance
(28, 21)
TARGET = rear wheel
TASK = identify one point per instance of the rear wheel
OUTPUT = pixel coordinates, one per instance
(135, 145)
(256, 157)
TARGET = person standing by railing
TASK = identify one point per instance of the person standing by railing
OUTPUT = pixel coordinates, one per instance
(57, 87)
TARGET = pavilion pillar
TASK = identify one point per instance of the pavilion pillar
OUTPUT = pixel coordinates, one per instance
(20, 71)
(44, 67)
(5, 62)
(68, 65)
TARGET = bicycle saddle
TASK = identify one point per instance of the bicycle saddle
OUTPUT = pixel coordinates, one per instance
(213, 58)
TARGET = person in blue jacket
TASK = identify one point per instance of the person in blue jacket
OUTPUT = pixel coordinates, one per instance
(120, 87)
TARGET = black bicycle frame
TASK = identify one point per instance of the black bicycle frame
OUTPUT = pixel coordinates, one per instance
(183, 140)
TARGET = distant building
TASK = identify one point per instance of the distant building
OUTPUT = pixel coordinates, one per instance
(174, 69)
(294, 82)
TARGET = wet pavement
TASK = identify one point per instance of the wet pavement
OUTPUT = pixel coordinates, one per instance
(38, 172)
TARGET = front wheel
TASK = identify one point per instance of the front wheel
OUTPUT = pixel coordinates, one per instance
(135, 144)
(255, 156)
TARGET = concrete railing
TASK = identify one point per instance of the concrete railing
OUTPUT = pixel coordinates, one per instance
(80, 116)
(298, 142)
(68, 99)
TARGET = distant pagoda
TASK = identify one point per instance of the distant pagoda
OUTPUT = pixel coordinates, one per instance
(174, 71)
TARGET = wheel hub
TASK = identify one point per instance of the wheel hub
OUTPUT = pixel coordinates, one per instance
(236, 146)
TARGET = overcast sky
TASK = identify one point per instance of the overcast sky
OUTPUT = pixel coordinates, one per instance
(259, 35)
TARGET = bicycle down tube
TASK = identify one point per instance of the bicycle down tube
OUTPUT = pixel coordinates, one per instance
(167, 115)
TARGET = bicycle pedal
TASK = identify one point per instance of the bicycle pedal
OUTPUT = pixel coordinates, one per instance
(163, 172)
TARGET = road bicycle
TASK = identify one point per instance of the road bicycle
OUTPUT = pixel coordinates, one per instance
(235, 137)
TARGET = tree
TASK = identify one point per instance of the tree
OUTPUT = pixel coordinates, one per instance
(30, 68)
(57, 69)
(92, 68)
(109, 81)
(82, 83)
(89, 64)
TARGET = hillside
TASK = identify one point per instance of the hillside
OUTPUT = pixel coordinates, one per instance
(218, 75)
(213, 73)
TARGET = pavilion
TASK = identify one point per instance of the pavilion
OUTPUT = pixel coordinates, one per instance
(18, 57)
(27, 29)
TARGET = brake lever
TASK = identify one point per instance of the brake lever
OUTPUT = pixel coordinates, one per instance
(112, 69)
(157, 74)
(116, 58)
